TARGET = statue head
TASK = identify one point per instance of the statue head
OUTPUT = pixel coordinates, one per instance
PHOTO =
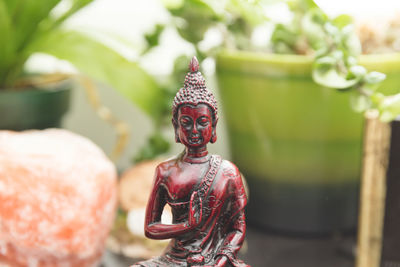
(194, 110)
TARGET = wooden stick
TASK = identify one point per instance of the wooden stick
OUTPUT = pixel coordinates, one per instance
(373, 191)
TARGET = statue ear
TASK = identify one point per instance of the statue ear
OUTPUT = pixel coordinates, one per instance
(177, 140)
(213, 137)
(214, 133)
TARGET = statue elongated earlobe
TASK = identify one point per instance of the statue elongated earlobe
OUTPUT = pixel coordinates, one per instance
(174, 123)
(213, 138)
(177, 140)
(214, 135)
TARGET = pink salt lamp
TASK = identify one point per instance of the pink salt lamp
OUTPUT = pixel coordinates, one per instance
(57, 199)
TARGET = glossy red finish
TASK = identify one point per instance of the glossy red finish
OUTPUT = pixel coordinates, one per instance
(194, 65)
(206, 196)
(195, 125)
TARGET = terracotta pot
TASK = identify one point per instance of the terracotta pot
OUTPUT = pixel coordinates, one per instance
(36, 108)
(298, 144)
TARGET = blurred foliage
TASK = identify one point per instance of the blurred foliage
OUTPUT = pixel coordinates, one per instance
(332, 42)
(192, 19)
(335, 46)
(30, 26)
(156, 145)
(130, 80)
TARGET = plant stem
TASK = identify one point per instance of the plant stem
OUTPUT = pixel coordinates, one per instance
(373, 191)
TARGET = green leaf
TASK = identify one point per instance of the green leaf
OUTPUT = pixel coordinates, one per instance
(23, 23)
(331, 29)
(75, 6)
(27, 16)
(282, 48)
(301, 5)
(283, 39)
(198, 16)
(377, 98)
(326, 73)
(172, 4)
(250, 11)
(342, 21)
(356, 72)
(331, 78)
(374, 77)
(352, 44)
(153, 37)
(6, 43)
(324, 63)
(351, 61)
(359, 103)
(104, 64)
(156, 145)
(390, 108)
(312, 28)
(201, 6)
(337, 54)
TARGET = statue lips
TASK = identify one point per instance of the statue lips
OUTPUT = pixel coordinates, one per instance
(195, 140)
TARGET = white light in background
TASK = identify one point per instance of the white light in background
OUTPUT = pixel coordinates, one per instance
(361, 9)
(375, 15)
(212, 38)
(279, 12)
(262, 34)
(121, 24)
(128, 20)
(44, 63)
(161, 59)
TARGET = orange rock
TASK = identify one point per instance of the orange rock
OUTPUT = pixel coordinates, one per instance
(57, 199)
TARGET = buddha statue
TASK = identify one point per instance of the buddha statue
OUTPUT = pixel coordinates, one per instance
(205, 192)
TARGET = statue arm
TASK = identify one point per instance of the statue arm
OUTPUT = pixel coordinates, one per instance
(233, 241)
(236, 231)
(158, 230)
(153, 228)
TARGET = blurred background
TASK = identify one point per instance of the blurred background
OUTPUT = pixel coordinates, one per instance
(293, 80)
(131, 21)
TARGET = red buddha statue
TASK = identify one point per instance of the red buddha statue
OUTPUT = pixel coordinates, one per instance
(205, 193)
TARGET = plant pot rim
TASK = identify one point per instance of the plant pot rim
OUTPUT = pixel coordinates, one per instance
(299, 59)
(38, 107)
(49, 87)
(298, 65)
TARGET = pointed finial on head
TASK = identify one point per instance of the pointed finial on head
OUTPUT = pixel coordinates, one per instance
(194, 65)
(194, 91)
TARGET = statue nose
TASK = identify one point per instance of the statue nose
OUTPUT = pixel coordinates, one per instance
(195, 131)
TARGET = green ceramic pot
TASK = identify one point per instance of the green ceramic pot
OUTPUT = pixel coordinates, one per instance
(36, 108)
(298, 144)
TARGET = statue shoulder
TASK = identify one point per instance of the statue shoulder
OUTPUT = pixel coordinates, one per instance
(232, 176)
(164, 168)
(229, 170)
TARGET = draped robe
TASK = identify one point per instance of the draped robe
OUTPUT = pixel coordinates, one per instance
(222, 228)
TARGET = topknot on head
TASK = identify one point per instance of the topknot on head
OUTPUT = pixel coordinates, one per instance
(194, 65)
(194, 91)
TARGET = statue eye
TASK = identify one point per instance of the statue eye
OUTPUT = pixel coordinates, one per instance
(203, 121)
(185, 122)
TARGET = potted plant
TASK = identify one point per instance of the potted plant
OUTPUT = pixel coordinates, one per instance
(31, 100)
(291, 107)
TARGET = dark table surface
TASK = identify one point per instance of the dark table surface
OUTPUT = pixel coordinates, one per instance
(264, 249)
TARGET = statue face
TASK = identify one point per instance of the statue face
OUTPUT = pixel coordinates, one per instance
(194, 125)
